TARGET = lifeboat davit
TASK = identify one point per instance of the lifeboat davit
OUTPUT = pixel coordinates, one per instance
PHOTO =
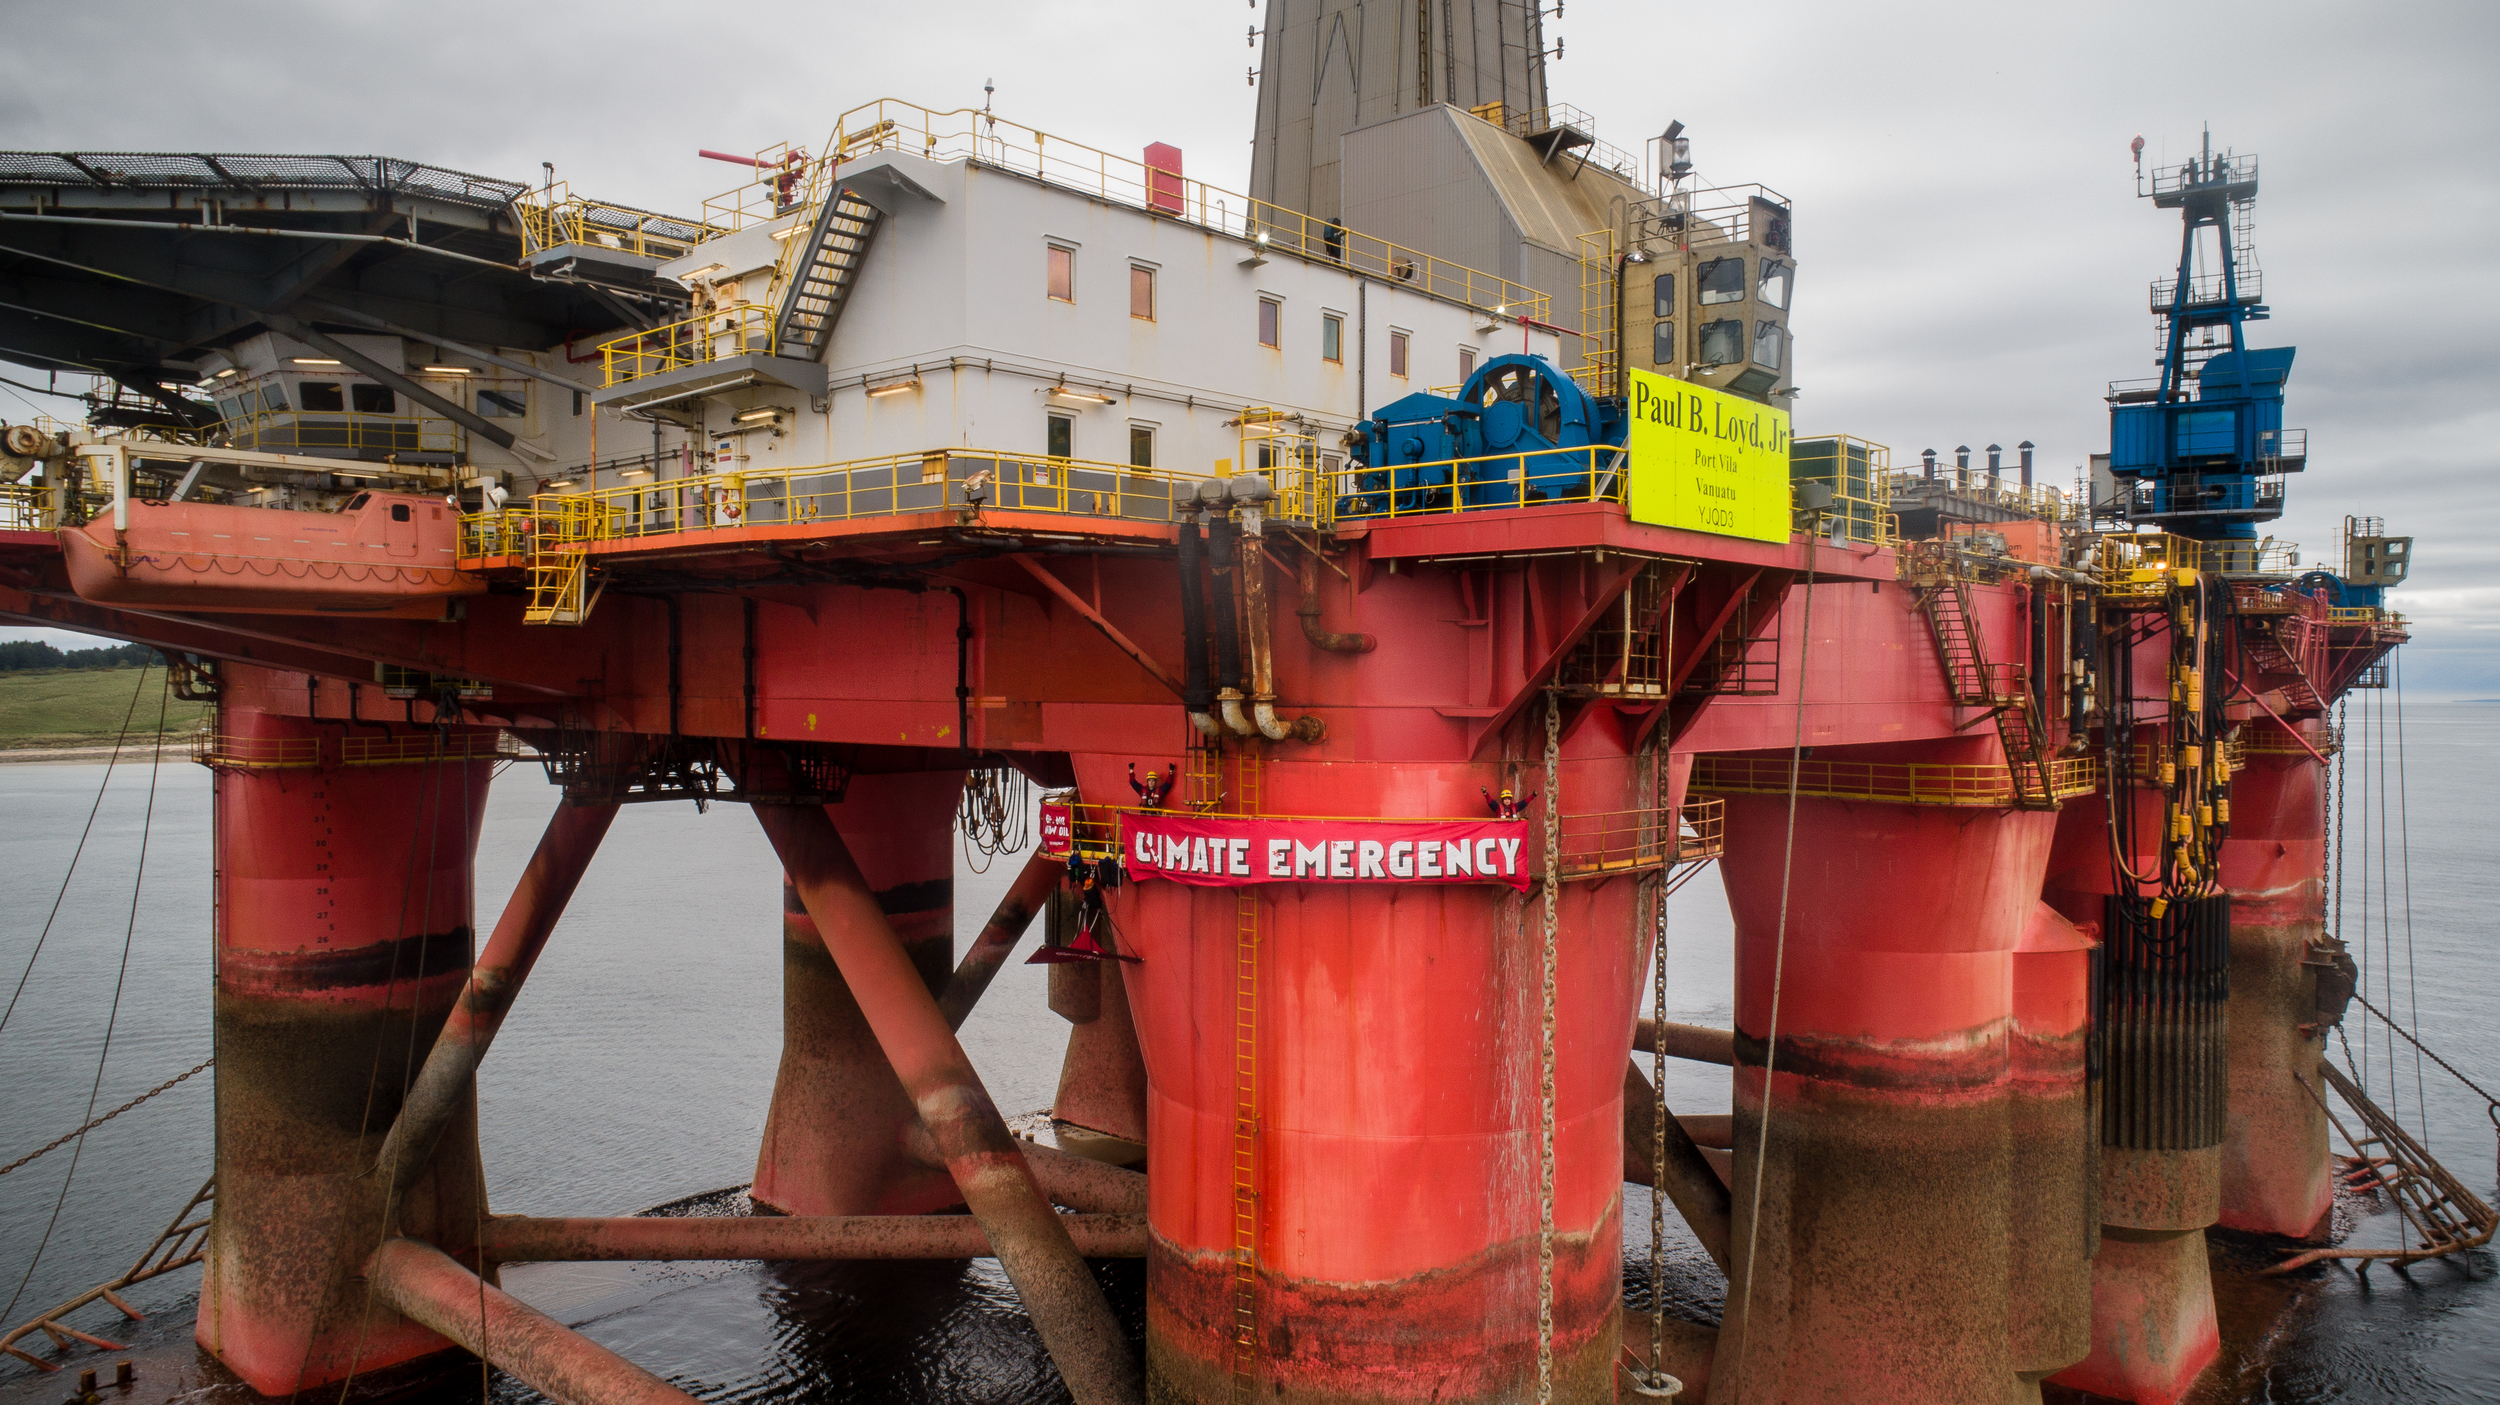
(390, 554)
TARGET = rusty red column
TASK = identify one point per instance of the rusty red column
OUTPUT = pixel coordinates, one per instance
(1881, 1260)
(1100, 1111)
(343, 937)
(2276, 1169)
(1390, 1192)
(834, 1141)
(2053, 1218)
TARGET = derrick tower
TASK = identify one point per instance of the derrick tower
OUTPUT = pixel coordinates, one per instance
(2201, 449)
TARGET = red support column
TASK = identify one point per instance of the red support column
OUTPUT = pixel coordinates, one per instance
(2053, 1222)
(1394, 1201)
(343, 937)
(835, 1139)
(2276, 1168)
(1881, 1260)
(1100, 1111)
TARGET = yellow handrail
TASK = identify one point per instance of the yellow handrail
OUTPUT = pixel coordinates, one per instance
(1537, 476)
(1896, 782)
(554, 216)
(889, 124)
(740, 329)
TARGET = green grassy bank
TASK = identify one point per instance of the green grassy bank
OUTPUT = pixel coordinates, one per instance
(86, 707)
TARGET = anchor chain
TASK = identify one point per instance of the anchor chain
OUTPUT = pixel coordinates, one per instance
(1545, 1059)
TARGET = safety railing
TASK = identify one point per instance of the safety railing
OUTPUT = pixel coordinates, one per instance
(1712, 215)
(1538, 477)
(2354, 614)
(941, 480)
(2042, 501)
(740, 329)
(320, 431)
(1594, 843)
(970, 134)
(2143, 565)
(507, 532)
(1891, 782)
(34, 507)
(1859, 474)
(2266, 557)
(553, 216)
(1526, 122)
(220, 750)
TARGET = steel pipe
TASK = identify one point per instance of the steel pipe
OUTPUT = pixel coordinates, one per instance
(1694, 1043)
(1699, 1195)
(522, 1239)
(1078, 1182)
(547, 884)
(1333, 641)
(1026, 896)
(428, 1286)
(965, 1128)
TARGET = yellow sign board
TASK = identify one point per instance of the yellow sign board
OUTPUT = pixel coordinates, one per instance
(1706, 461)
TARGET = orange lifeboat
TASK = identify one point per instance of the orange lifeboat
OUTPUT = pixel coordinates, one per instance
(388, 554)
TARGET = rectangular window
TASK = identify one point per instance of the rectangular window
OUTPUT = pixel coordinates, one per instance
(373, 399)
(1770, 345)
(1776, 279)
(1662, 295)
(1271, 316)
(1141, 293)
(1720, 280)
(273, 396)
(1397, 354)
(503, 404)
(1062, 437)
(1466, 363)
(1331, 337)
(322, 395)
(577, 402)
(1141, 446)
(1722, 343)
(1662, 345)
(1062, 273)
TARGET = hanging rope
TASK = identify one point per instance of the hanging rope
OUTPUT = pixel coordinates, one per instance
(89, 828)
(112, 1018)
(1779, 950)
(2404, 842)
(995, 815)
(1545, 1057)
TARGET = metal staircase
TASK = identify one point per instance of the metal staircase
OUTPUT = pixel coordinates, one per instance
(559, 569)
(2266, 650)
(2445, 1216)
(1971, 681)
(821, 271)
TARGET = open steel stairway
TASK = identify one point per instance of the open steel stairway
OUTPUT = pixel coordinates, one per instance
(1971, 681)
(2443, 1214)
(823, 272)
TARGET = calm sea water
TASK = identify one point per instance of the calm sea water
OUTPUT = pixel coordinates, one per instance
(636, 1068)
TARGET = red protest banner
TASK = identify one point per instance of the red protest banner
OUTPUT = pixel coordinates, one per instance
(1231, 852)
(1058, 829)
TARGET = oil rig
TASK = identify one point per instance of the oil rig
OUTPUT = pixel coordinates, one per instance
(1396, 579)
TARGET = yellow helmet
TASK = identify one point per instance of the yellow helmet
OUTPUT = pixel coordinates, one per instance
(1506, 793)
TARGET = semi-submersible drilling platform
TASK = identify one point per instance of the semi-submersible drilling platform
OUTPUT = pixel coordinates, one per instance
(1397, 577)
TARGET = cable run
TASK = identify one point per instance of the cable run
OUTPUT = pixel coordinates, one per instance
(89, 828)
(65, 1138)
(130, 933)
(1779, 948)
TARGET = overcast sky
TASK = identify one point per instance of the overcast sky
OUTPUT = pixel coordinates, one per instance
(1973, 261)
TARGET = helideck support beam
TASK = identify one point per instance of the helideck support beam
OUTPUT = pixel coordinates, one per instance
(1031, 1239)
(990, 950)
(332, 346)
(783, 1238)
(428, 1286)
(564, 852)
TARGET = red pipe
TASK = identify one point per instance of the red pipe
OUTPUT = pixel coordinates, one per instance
(538, 900)
(522, 1239)
(1694, 1043)
(1031, 1239)
(734, 160)
(998, 939)
(428, 1286)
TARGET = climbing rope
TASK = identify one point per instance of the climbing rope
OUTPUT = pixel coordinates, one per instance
(65, 1138)
(1545, 1057)
(1779, 952)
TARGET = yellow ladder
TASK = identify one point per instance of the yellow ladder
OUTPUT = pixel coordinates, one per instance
(1245, 800)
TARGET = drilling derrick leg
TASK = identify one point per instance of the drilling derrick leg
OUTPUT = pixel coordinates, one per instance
(2276, 1172)
(1927, 1020)
(343, 938)
(836, 1139)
